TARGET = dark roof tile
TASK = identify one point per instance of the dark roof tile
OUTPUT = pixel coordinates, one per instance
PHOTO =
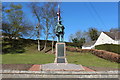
(113, 35)
(88, 44)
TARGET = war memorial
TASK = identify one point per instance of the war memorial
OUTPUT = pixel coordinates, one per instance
(60, 68)
(61, 63)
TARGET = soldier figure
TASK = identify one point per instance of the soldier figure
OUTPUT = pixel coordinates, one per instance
(60, 31)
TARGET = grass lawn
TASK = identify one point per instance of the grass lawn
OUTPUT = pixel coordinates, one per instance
(25, 58)
(86, 59)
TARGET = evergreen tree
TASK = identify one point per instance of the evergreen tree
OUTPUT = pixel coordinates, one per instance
(93, 34)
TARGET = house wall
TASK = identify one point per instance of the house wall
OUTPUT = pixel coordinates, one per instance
(119, 42)
(86, 47)
(105, 39)
(90, 47)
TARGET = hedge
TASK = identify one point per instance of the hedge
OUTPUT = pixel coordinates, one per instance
(73, 44)
(100, 53)
(109, 47)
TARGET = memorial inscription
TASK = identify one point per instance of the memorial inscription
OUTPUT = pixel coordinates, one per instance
(60, 50)
(60, 53)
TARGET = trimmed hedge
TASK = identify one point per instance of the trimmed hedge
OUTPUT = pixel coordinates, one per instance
(100, 53)
(73, 44)
(109, 47)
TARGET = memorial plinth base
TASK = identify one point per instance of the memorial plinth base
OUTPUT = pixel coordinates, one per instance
(61, 67)
(60, 53)
(60, 63)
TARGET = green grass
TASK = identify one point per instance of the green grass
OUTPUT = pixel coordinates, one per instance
(88, 59)
(32, 56)
(39, 58)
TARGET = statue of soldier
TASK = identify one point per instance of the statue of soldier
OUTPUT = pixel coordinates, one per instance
(59, 30)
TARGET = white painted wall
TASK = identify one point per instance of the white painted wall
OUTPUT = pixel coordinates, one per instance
(119, 42)
(105, 39)
(91, 47)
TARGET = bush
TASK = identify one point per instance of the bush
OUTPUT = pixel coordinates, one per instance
(73, 44)
(109, 47)
(12, 46)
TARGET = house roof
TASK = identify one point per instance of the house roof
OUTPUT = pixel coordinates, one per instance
(89, 44)
(113, 35)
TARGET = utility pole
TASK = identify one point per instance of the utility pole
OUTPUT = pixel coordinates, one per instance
(38, 36)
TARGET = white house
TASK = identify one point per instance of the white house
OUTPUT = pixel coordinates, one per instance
(104, 38)
(89, 45)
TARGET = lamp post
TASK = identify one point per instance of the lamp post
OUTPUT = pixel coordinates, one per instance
(38, 34)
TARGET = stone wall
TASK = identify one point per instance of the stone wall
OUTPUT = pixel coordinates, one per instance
(58, 74)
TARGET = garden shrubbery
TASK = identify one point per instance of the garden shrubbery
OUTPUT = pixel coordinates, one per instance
(73, 44)
(12, 46)
(109, 47)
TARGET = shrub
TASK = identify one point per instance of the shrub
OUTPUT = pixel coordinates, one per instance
(73, 44)
(109, 47)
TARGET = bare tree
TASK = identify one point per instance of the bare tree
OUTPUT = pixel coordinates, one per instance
(53, 35)
(71, 37)
(37, 11)
(53, 24)
(49, 9)
(78, 35)
(114, 30)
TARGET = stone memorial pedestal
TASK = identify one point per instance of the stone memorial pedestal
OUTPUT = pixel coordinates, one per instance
(60, 63)
(60, 53)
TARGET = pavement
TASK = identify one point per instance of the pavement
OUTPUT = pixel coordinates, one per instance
(59, 67)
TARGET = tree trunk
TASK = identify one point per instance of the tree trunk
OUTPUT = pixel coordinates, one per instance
(46, 33)
(45, 42)
(38, 45)
(45, 45)
(52, 46)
